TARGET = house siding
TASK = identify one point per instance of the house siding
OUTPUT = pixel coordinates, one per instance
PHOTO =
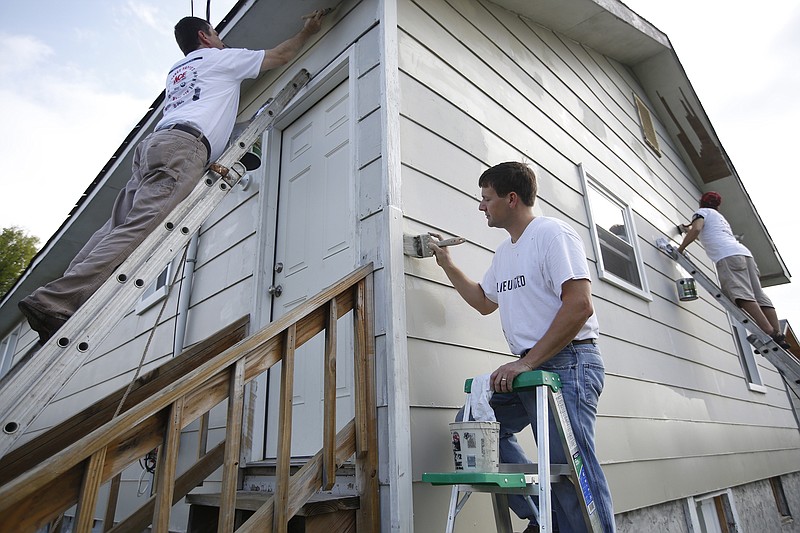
(481, 85)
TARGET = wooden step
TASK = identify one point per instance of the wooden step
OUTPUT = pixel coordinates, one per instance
(323, 513)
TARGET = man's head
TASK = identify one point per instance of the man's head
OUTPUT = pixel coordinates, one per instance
(192, 33)
(711, 199)
(510, 177)
(508, 191)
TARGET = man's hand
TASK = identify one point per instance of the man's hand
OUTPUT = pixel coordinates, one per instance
(313, 22)
(502, 378)
(442, 254)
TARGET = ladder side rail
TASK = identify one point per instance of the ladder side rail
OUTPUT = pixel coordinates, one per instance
(786, 364)
(502, 514)
(578, 473)
(709, 285)
(543, 446)
(28, 392)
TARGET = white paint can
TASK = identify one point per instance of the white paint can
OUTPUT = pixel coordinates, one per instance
(476, 445)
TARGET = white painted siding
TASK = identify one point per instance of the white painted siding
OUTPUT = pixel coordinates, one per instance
(480, 86)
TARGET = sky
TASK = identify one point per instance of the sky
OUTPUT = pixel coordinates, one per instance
(73, 84)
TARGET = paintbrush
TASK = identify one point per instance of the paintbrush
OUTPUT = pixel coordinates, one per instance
(417, 245)
(323, 12)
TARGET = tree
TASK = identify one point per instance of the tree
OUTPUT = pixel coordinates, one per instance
(16, 251)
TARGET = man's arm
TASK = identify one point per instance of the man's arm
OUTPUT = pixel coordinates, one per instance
(470, 290)
(576, 308)
(692, 231)
(288, 49)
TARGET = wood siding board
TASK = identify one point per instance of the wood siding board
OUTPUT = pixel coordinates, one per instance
(613, 149)
(368, 52)
(370, 202)
(677, 478)
(620, 131)
(682, 402)
(550, 117)
(457, 106)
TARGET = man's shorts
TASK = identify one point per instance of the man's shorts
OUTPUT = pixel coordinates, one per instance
(738, 277)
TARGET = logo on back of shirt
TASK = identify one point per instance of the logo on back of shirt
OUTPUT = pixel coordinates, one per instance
(511, 284)
(182, 86)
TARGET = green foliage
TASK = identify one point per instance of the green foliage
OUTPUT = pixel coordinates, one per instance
(16, 251)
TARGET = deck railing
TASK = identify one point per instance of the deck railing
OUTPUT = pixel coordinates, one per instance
(75, 474)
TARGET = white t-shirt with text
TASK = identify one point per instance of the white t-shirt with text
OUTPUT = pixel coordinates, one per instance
(526, 277)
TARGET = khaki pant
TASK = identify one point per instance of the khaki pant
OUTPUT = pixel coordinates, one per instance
(166, 167)
(739, 280)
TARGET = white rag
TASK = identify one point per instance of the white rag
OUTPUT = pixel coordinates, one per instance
(478, 400)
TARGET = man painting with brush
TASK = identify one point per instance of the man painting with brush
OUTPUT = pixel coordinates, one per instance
(539, 279)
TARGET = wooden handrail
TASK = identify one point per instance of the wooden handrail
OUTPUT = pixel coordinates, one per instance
(75, 474)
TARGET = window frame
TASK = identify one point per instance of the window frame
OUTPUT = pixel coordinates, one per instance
(156, 291)
(643, 292)
(721, 500)
(7, 348)
(747, 357)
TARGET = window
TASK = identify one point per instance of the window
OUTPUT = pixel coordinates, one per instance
(7, 348)
(747, 357)
(648, 129)
(615, 240)
(713, 513)
(780, 499)
(155, 292)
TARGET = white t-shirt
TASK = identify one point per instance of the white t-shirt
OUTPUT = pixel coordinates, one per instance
(717, 237)
(203, 91)
(525, 280)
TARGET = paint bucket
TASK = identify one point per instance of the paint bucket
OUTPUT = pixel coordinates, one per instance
(687, 290)
(476, 445)
(252, 158)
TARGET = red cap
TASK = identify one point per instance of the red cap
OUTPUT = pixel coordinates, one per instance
(710, 199)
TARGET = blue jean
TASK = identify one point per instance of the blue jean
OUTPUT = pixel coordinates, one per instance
(582, 375)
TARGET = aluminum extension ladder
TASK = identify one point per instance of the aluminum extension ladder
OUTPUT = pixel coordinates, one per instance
(786, 363)
(532, 479)
(27, 389)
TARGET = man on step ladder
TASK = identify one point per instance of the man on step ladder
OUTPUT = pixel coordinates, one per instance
(202, 99)
(539, 279)
(736, 268)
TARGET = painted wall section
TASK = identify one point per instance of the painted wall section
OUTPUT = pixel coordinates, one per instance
(481, 85)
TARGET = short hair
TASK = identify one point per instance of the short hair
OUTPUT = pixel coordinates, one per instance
(186, 33)
(711, 199)
(510, 177)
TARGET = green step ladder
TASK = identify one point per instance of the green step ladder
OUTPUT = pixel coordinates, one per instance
(532, 479)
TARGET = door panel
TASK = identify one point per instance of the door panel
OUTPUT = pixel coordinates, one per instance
(315, 243)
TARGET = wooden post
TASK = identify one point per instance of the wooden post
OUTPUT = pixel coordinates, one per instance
(329, 405)
(233, 437)
(281, 513)
(366, 408)
(167, 464)
(111, 506)
(92, 476)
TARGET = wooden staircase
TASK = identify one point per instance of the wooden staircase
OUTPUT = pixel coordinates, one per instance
(43, 478)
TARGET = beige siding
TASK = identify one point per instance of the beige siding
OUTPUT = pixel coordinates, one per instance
(481, 85)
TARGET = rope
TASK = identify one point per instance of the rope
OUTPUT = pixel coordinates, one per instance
(152, 333)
